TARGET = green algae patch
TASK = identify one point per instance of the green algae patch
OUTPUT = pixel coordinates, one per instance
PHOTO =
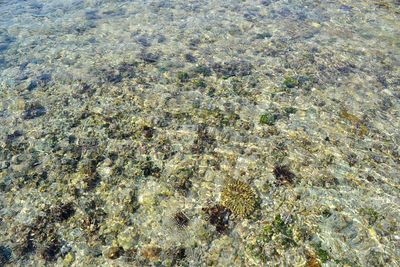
(183, 76)
(202, 70)
(321, 253)
(290, 110)
(199, 83)
(359, 128)
(268, 119)
(371, 215)
(290, 82)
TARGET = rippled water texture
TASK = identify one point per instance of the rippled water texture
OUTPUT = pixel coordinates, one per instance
(199, 133)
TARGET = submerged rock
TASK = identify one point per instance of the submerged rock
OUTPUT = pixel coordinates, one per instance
(234, 68)
(5, 255)
(149, 57)
(33, 110)
(112, 252)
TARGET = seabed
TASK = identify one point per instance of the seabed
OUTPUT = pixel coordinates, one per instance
(199, 133)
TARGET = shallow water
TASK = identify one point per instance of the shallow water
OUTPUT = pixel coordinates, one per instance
(199, 133)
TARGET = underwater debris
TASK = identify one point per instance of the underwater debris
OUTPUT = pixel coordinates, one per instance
(283, 175)
(218, 216)
(238, 197)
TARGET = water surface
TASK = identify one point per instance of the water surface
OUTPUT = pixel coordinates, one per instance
(199, 133)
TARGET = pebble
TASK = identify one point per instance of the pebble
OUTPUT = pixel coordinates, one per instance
(4, 165)
(112, 253)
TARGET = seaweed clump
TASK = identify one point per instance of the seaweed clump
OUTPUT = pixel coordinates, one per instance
(218, 216)
(290, 82)
(268, 119)
(51, 249)
(183, 76)
(62, 212)
(239, 197)
(42, 235)
(283, 175)
(181, 219)
(33, 111)
(279, 227)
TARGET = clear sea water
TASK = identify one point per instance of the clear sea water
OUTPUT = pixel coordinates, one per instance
(199, 133)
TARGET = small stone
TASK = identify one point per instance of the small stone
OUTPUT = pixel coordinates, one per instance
(149, 57)
(20, 104)
(127, 238)
(190, 58)
(112, 253)
(151, 253)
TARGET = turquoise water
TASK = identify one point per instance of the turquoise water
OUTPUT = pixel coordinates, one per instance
(199, 133)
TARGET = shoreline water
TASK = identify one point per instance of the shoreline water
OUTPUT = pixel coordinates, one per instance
(199, 133)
